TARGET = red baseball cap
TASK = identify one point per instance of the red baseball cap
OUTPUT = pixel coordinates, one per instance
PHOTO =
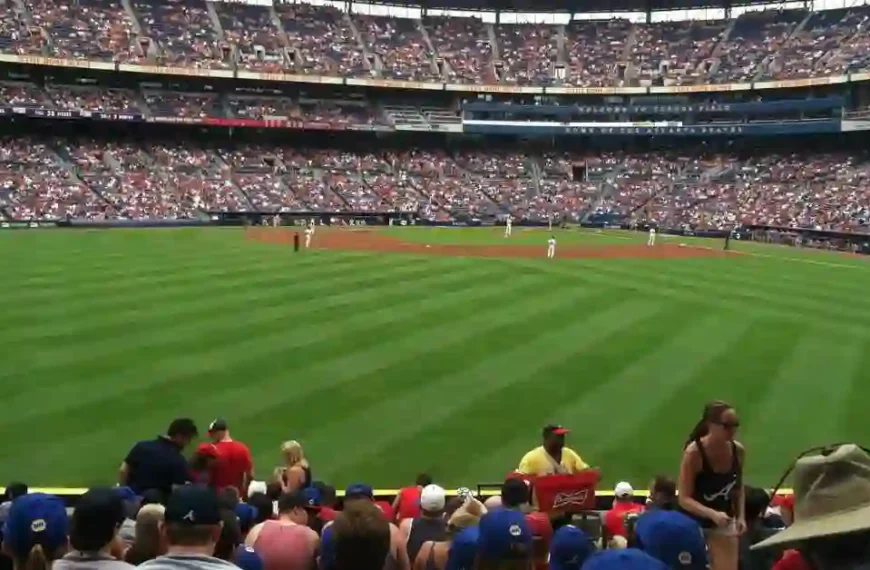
(207, 449)
(555, 430)
(539, 524)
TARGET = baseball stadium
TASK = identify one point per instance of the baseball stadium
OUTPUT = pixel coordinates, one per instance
(409, 235)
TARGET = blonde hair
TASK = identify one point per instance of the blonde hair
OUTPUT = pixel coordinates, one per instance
(37, 559)
(467, 515)
(147, 544)
(293, 454)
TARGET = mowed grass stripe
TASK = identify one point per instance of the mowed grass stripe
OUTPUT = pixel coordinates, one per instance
(721, 298)
(808, 395)
(252, 292)
(486, 378)
(224, 328)
(610, 416)
(139, 409)
(528, 402)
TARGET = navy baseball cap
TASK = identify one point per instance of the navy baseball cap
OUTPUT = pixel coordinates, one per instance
(33, 519)
(673, 538)
(312, 498)
(246, 514)
(247, 558)
(569, 548)
(624, 559)
(504, 534)
(193, 505)
(359, 491)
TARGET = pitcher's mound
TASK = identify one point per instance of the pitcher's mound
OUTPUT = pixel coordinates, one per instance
(370, 240)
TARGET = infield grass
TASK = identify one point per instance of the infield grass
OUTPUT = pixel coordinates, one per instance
(383, 365)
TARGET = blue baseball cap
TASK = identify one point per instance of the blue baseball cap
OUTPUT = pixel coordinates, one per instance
(246, 514)
(624, 559)
(126, 494)
(673, 538)
(463, 549)
(33, 519)
(193, 505)
(327, 549)
(359, 491)
(569, 548)
(504, 534)
(247, 558)
(311, 496)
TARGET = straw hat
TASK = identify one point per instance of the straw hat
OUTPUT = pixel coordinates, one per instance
(832, 495)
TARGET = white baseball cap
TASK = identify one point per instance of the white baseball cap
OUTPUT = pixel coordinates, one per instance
(432, 498)
(623, 489)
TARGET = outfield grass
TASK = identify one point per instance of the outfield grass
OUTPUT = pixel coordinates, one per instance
(384, 365)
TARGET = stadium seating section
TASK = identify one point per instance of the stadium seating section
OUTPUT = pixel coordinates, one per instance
(322, 40)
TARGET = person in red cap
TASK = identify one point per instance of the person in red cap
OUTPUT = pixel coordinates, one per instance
(201, 463)
(552, 458)
(542, 533)
(233, 467)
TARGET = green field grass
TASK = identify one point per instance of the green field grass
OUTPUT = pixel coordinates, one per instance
(383, 365)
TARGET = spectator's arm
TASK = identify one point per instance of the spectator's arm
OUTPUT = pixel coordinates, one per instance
(248, 475)
(123, 474)
(252, 535)
(528, 464)
(399, 548)
(405, 528)
(741, 490)
(395, 506)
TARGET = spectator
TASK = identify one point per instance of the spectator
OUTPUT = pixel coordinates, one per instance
(462, 551)
(152, 497)
(363, 493)
(360, 539)
(623, 504)
(264, 506)
(158, 463)
(247, 516)
(131, 502)
(504, 541)
(623, 559)
(149, 543)
(325, 501)
(406, 505)
(257, 487)
(247, 558)
(542, 533)
(230, 537)
(552, 457)
(286, 543)
(569, 548)
(191, 531)
(296, 473)
(228, 498)
(93, 534)
(202, 463)
(36, 531)
(757, 530)
(673, 538)
(13, 491)
(662, 493)
(233, 467)
(430, 526)
(711, 482)
(832, 512)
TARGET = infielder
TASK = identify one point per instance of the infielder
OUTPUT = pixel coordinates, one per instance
(507, 226)
(309, 231)
(551, 247)
(311, 226)
(652, 237)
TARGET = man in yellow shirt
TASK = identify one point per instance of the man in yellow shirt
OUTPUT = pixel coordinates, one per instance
(552, 458)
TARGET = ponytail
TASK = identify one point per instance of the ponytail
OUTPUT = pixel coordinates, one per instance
(36, 559)
(712, 412)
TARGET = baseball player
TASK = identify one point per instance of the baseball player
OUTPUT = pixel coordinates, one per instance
(309, 231)
(652, 237)
(311, 226)
(507, 226)
(551, 247)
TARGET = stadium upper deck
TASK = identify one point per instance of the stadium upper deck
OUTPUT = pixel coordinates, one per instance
(324, 44)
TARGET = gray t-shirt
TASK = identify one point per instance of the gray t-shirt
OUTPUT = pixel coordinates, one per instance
(187, 562)
(127, 532)
(90, 561)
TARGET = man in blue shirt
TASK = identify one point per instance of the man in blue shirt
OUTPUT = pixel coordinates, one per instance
(158, 463)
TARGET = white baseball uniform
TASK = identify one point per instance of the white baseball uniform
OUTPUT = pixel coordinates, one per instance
(551, 248)
(507, 226)
(652, 237)
(308, 233)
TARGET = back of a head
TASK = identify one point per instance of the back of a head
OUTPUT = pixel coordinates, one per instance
(98, 515)
(423, 479)
(15, 490)
(504, 542)
(36, 531)
(230, 537)
(264, 507)
(183, 428)
(148, 544)
(192, 517)
(361, 537)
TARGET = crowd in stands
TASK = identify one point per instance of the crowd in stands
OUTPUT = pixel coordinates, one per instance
(55, 178)
(302, 38)
(209, 510)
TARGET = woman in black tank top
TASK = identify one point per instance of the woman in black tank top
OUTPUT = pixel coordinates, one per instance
(711, 482)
